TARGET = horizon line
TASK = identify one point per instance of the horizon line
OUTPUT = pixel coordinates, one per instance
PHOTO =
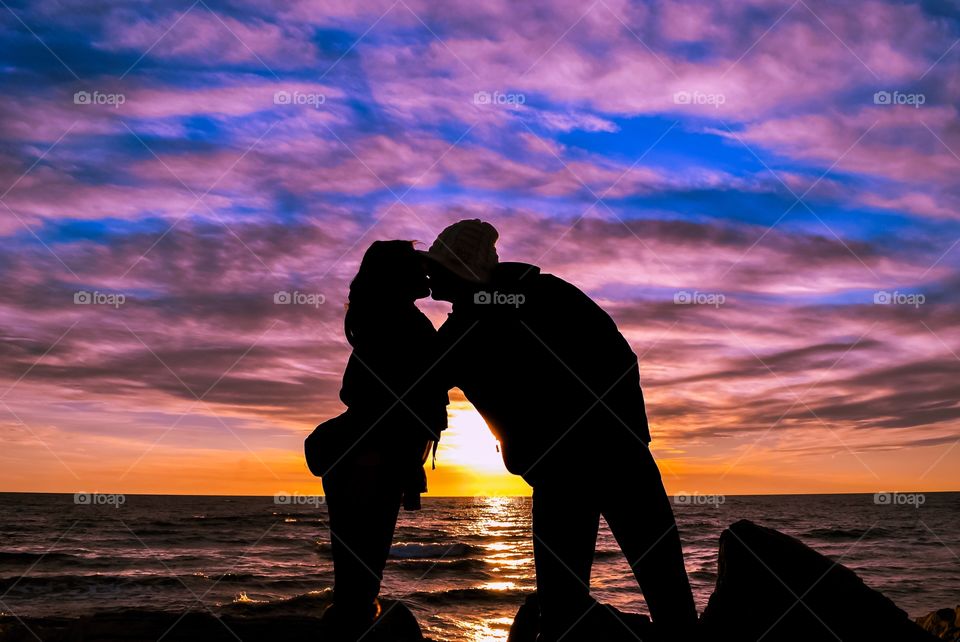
(427, 496)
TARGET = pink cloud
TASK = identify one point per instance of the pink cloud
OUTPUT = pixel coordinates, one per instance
(202, 36)
(606, 61)
(898, 142)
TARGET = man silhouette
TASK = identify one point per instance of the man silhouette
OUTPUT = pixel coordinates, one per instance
(559, 386)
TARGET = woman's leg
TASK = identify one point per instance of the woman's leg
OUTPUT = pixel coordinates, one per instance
(362, 505)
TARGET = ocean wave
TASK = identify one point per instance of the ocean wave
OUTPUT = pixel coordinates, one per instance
(51, 583)
(229, 578)
(432, 550)
(846, 533)
(308, 603)
(162, 579)
(469, 595)
(707, 576)
(26, 557)
(463, 564)
(73, 563)
(417, 550)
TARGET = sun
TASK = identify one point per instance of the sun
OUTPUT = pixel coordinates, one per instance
(468, 442)
(468, 460)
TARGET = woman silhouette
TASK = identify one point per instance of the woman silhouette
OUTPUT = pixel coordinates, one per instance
(397, 408)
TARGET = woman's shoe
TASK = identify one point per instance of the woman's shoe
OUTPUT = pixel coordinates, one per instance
(346, 622)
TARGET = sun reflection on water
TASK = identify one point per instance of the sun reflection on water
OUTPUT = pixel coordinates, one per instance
(492, 630)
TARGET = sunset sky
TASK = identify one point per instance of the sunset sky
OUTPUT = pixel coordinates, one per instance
(167, 167)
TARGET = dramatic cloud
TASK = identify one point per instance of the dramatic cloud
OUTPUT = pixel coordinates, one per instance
(761, 194)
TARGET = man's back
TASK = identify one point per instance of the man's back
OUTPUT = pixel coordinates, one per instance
(547, 368)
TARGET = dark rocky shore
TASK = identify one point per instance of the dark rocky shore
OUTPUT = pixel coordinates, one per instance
(397, 624)
(770, 586)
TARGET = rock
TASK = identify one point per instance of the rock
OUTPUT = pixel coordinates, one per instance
(603, 622)
(526, 624)
(762, 575)
(397, 624)
(945, 623)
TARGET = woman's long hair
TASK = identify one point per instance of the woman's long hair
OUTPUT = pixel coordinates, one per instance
(388, 277)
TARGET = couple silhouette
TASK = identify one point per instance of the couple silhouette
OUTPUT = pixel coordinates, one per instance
(557, 384)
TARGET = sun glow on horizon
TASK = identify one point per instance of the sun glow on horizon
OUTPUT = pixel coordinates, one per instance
(468, 441)
(468, 459)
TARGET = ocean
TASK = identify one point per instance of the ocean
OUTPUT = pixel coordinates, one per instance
(463, 565)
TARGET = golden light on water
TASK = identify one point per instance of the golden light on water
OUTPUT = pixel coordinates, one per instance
(493, 630)
(499, 546)
(509, 560)
(498, 586)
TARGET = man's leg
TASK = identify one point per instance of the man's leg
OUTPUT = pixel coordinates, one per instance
(639, 514)
(565, 524)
